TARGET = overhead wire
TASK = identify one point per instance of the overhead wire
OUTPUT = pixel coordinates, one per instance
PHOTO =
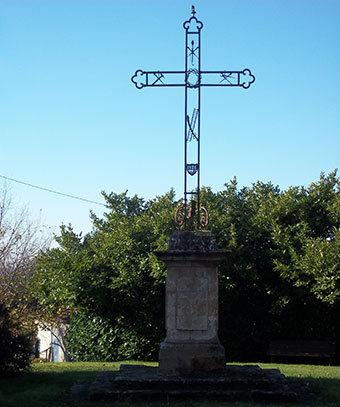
(52, 191)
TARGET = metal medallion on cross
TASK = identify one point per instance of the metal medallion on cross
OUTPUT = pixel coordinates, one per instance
(191, 214)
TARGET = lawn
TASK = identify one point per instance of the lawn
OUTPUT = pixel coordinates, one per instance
(46, 385)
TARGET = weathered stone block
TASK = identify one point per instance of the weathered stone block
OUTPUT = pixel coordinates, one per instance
(191, 344)
(188, 358)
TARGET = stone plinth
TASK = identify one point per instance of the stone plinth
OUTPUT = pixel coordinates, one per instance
(247, 384)
(191, 344)
(191, 359)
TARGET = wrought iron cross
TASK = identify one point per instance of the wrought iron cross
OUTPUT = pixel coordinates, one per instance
(191, 213)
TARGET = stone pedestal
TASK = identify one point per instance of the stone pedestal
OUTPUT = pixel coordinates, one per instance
(191, 359)
(191, 344)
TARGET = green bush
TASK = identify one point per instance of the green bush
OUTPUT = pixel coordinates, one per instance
(281, 279)
(94, 338)
(16, 345)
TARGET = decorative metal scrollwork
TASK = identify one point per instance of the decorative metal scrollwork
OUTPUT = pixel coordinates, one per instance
(204, 219)
(185, 216)
(192, 78)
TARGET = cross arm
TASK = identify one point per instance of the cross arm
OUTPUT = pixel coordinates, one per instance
(193, 78)
(142, 79)
(227, 78)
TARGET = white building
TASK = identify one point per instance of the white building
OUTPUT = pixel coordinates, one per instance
(50, 344)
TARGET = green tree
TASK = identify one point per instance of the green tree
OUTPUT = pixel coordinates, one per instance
(16, 344)
(113, 279)
(311, 243)
(20, 241)
(273, 285)
(281, 279)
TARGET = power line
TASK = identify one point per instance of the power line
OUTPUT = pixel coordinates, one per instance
(51, 190)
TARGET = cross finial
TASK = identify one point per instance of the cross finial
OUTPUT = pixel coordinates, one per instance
(193, 11)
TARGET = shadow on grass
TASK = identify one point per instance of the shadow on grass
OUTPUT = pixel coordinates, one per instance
(328, 389)
(46, 385)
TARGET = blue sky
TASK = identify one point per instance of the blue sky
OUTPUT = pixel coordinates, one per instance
(71, 120)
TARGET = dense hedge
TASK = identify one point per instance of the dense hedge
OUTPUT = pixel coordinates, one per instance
(281, 280)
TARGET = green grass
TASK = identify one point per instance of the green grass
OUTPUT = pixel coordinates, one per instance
(46, 385)
(323, 380)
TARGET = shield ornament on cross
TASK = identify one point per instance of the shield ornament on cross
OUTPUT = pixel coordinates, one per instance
(192, 169)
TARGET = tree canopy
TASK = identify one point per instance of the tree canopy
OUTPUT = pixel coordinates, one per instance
(281, 280)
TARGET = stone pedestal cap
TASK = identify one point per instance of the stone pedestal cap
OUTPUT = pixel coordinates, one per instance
(185, 244)
(185, 240)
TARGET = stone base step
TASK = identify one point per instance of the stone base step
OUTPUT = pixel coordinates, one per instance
(255, 396)
(237, 383)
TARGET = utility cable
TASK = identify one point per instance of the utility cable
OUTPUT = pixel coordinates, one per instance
(52, 191)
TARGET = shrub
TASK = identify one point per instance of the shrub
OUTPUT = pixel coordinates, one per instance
(94, 338)
(16, 344)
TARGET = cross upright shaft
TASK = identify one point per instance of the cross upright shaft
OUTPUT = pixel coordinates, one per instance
(191, 214)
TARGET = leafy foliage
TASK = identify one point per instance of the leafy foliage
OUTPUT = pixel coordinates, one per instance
(281, 279)
(113, 278)
(16, 344)
(20, 241)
